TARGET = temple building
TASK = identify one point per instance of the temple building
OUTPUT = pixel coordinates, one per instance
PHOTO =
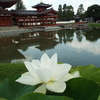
(44, 15)
(5, 15)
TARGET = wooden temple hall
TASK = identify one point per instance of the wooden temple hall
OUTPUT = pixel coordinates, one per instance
(43, 15)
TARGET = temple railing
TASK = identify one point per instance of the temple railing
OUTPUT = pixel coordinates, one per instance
(36, 21)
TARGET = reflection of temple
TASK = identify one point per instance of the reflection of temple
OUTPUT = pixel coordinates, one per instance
(33, 37)
(9, 45)
(44, 40)
(8, 50)
(47, 40)
(39, 17)
(8, 54)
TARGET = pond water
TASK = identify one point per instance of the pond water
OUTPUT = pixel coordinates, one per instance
(76, 47)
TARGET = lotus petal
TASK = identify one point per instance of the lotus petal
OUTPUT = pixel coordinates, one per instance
(44, 74)
(31, 68)
(76, 74)
(36, 64)
(28, 79)
(41, 89)
(51, 65)
(56, 86)
(54, 58)
(66, 77)
(62, 69)
(44, 59)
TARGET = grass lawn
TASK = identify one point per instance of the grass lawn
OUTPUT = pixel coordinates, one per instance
(7, 70)
(94, 24)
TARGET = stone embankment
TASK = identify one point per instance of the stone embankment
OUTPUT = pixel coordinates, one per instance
(11, 31)
(76, 25)
(15, 31)
(8, 31)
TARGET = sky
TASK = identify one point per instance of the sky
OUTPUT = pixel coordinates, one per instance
(56, 3)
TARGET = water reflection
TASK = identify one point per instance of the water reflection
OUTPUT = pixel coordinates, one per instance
(65, 36)
(41, 40)
(92, 35)
(79, 35)
(87, 46)
(77, 47)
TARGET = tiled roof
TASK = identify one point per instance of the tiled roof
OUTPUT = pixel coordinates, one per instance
(7, 3)
(41, 5)
(7, 12)
(49, 10)
(28, 12)
(8, 0)
(32, 12)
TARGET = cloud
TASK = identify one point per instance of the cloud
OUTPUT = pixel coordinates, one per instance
(87, 46)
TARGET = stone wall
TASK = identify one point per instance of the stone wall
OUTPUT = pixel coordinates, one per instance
(6, 28)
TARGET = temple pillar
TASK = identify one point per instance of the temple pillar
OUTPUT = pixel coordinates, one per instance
(18, 23)
(35, 21)
(46, 22)
(11, 20)
(5, 20)
(24, 22)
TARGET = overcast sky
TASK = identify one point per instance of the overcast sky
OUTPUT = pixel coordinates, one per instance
(56, 3)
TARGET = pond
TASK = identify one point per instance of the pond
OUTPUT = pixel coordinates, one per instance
(73, 46)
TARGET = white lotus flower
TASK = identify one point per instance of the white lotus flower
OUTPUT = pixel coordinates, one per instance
(46, 71)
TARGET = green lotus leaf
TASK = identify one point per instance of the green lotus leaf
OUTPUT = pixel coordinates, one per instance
(10, 90)
(38, 96)
(89, 72)
(81, 89)
(3, 99)
(99, 97)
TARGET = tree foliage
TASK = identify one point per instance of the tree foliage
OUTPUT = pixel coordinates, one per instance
(60, 15)
(65, 12)
(20, 5)
(69, 13)
(93, 11)
(80, 11)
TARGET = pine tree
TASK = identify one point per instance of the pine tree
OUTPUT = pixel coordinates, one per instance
(80, 11)
(60, 15)
(64, 11)
(20, 5)
(69, 12)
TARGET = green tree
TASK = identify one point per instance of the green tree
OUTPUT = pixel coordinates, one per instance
(93, 11)
(80, 11)
(64, 11)
(20, 5)
(60, 15)
(69, 12)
